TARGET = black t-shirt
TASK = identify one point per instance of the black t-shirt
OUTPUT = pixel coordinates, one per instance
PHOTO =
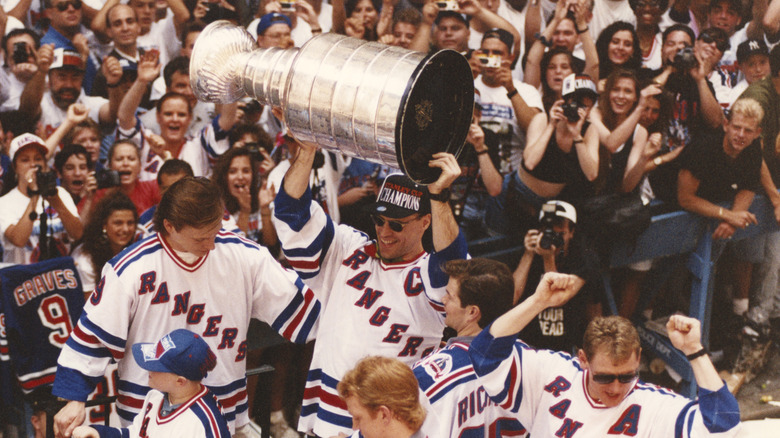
(561, 328)
(720, 176)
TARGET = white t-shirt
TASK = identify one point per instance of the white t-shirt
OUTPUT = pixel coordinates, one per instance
(52, 115)
(162, 36)
(84, 266)
(606, 12)
(653, 59)
(499, 116)
(12, 206)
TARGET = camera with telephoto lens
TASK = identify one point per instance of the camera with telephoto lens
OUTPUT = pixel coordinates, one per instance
(549, 237)
(107, 178)
(20, 54)
(684, 59)
(47, 183)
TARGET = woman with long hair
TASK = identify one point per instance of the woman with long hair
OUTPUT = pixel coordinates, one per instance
(621, 136)
(239, 183)
(109, 230)
(618, 47)
(555, 65)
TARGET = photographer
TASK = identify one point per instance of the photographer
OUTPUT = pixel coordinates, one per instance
(560, 152)
(553, 248)
(20, 64)
(22, 216)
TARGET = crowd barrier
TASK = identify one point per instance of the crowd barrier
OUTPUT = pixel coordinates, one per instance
(679, 233)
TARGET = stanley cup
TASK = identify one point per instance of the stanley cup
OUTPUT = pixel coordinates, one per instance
(383, 104)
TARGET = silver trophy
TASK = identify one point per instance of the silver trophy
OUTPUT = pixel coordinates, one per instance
(364, 99)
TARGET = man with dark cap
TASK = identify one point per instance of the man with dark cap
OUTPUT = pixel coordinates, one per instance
(508, 105)
(381, 297)
(753, 63)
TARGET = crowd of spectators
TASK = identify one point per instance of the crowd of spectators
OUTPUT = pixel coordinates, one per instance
(676, 102)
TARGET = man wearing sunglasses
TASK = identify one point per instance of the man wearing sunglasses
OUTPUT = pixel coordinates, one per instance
(598, 393)
(65, 31)
(380, 297)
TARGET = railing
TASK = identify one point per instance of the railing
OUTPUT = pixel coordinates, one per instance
(679, 233)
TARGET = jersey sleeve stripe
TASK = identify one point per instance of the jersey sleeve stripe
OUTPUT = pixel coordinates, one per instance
(28, 384)
(113, 343)
(294, 324)
(294, 213)
(130, 401)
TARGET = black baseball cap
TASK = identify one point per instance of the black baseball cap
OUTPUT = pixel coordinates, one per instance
(751, 47)
(400, 197)
(503, 35)
(444, 14)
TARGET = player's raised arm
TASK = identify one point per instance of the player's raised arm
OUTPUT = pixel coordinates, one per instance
(554, 290)
(444, 227)
(685, 334)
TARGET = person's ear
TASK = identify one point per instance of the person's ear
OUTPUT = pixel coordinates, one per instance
(169, 229)
(583, 358)
(384, 413)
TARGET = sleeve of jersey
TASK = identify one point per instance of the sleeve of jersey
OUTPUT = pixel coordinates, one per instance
(457, 250)
(497, 363)
(285, 302)
(99, 337)
(110, 432)
(214, 140)
(715, 414)
(304, 230)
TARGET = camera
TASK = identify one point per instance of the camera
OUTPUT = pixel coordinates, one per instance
(107, 178)
(287, 5)
(684, 59)
(549, 237)
(489, 61)
(20, 54)
(47, 183)
(571, 110)
(447, 5)
(254, 149)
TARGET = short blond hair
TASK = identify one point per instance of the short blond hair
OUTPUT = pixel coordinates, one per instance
(614, 334)
(747, 108)
(382, 381)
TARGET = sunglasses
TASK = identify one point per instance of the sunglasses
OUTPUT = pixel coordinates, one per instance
(63, 6)
(721, 45)
(606, 379)
(394, 225)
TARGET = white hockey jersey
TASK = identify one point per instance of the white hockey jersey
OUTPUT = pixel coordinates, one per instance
(547, 391)
(148, 291)
(370, 307)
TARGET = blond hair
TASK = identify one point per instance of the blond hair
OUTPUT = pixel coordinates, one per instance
(747, 108)
(381, 381)
(615, 334)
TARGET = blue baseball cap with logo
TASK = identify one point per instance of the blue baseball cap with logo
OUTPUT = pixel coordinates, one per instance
(270, 19)
(180, 352)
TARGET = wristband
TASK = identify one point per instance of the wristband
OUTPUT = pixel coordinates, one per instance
(580, 32)
(512, 93)
(33, 215)
(317, 30)
(542, 39)
(482, 152)
(444, 196)
(697, 355)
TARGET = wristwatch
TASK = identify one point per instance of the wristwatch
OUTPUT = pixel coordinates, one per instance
(443, 196)
(658, 161)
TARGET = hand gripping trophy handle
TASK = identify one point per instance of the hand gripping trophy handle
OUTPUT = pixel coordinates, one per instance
(364, 99)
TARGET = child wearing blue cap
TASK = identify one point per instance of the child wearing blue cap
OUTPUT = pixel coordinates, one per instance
(178, 404)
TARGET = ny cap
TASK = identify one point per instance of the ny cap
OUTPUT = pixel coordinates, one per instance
(400, 197)
(180, 352)
(444, 14)
(749, 48)
(502, 35)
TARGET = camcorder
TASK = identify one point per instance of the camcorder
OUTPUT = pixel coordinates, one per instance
(107, 178)
(684, 59)
(549, 237)
(47, 183)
